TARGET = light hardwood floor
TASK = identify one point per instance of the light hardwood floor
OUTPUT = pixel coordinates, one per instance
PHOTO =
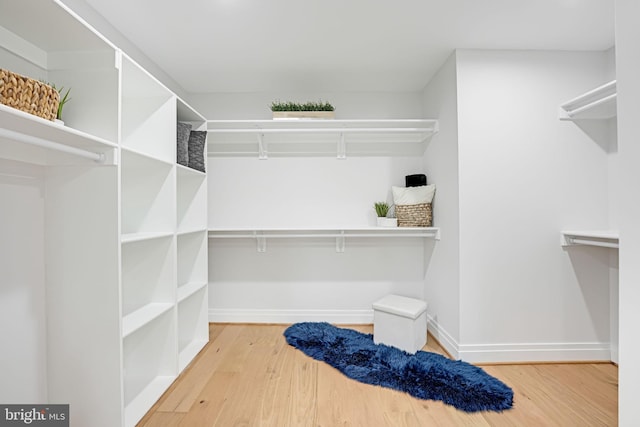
(249, 376)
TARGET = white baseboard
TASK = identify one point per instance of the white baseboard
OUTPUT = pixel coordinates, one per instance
(472, 353)
(226, 315)
(534, 352)
(519, 352)
(443, 337)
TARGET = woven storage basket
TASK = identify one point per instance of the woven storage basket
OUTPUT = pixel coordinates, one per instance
(28, 95)
(414, 215)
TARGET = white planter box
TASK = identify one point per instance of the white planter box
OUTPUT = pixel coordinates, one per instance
(387, 222)
(280, 115)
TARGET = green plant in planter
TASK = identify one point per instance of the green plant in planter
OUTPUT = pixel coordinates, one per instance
(382, 209)
(63, 100)
(296, 106)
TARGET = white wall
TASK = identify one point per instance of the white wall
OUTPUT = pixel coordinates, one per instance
(628, 69)
(22, 291)
(306, 279)
(302, 192)
(524, 176)
(442, 278)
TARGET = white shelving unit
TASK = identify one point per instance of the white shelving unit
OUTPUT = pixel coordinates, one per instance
(307, 137)
(598, 106)
(341, 235)
(125, 227)
(599, 103)
(150, 365)
(603, 238)
(192, 251)
(148, 266)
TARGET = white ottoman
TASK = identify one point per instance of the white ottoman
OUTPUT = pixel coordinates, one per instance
(400, 322)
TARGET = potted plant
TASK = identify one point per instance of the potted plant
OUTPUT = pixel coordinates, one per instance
(382, 210)
(63, 100)
(307, 110)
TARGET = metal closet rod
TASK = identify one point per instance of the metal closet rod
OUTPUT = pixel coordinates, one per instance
(320, 130)
(583, 241)
(50, 145)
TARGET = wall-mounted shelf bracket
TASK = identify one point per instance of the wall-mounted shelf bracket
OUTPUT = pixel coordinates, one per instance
(262, 147)
(340, 242)
(342, 147)
(261, 242)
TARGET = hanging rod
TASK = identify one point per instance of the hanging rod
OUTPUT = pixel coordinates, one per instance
(605, 239)
(323, 130)
(589, 242)
(50, 145)
(333, 235)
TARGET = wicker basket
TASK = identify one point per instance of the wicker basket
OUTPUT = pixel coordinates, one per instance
(28, 95)
(414, 215)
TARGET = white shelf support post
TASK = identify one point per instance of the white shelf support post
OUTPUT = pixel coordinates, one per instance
(261, 242)
(340, 242)
(262, 147)
(342, 147)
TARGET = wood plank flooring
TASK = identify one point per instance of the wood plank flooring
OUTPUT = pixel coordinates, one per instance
(249, 376)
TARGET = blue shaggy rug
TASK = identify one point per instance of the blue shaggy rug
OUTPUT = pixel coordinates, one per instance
(424, 375)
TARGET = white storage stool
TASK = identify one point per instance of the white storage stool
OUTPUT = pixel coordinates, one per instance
(400, 322)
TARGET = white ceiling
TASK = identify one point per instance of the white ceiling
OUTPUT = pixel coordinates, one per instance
(342, 45)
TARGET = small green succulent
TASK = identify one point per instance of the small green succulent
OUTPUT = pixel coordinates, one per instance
(382, 208)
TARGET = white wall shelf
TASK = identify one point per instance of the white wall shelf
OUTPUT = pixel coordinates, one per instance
(601, 238)
(193, 331)
(599, 103)
(188, 289)
(150, 364)
(339, 234)
(191, 199)
(192, 259)
(340, 138)
(31, 139)
(147, 274)
(138, 237)
(148, 193)
(137, 319)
